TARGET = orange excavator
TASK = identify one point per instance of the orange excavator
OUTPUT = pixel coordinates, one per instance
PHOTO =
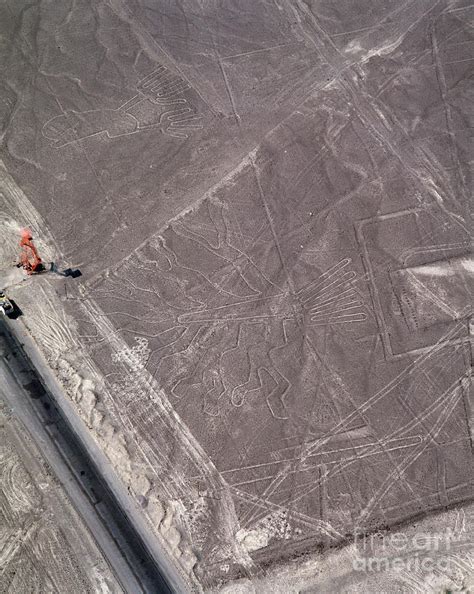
(29, 257)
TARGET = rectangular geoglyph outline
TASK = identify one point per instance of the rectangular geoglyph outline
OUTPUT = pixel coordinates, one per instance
(389, 352)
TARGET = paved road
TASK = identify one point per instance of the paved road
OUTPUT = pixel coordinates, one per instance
(22, 390)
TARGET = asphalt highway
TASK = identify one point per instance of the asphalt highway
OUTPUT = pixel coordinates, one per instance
(24, 392)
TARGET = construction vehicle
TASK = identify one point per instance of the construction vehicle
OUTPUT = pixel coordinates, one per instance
(6, 306)
(29, 257)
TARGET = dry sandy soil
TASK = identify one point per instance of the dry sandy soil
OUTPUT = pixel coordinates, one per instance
(269, 202)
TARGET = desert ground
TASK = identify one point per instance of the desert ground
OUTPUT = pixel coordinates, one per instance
(269, 202)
